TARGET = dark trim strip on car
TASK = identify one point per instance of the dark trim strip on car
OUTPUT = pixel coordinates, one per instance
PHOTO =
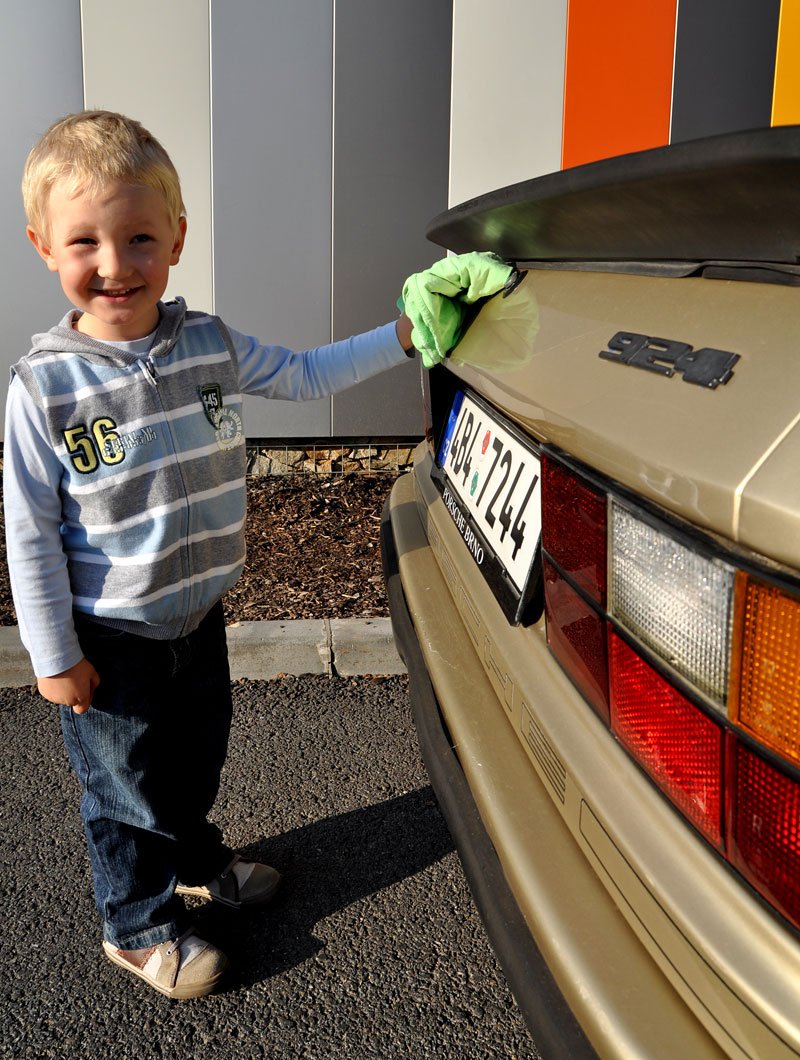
(556, 1031)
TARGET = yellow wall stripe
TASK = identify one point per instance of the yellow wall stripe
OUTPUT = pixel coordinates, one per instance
(786, 98)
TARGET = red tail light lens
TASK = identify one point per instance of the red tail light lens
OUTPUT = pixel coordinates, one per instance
(577, 637)
(678, 745)
(764, 842)
(574, 528)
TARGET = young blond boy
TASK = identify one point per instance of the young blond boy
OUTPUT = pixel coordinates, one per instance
(124, 482)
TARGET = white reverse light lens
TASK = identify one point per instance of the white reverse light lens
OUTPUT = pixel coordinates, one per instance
(675, 601)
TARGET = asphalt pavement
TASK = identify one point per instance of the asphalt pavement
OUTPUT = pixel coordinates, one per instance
(373, 948)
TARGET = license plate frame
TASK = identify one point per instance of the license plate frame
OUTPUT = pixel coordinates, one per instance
(466, 464)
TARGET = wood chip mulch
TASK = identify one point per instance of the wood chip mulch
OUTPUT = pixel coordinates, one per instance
(313, 550)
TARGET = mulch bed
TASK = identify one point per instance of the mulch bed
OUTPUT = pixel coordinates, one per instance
(312, 550)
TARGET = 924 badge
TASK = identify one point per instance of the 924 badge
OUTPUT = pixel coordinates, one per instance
(706, 367)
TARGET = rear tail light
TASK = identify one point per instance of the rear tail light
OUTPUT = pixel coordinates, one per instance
(576, 634)
(574, 528)
(765, 696)
(764, 840)
(732, 642)
(680, 747)
(676, 601)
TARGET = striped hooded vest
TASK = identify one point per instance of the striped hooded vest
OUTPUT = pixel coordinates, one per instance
(153, 485)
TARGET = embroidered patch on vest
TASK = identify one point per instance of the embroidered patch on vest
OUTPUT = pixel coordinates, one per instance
(227, 423)
(211, 397)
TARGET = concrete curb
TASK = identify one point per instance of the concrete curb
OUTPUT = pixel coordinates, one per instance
(343, 647)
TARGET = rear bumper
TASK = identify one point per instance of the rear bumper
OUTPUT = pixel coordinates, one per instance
(555, 1029)
(581, 975)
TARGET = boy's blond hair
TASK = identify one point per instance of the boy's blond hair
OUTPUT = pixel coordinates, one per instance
(90, 150)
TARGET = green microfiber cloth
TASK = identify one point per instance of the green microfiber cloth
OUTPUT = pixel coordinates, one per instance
(436, 299)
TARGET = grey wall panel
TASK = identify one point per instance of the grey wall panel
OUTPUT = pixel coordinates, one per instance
(390, 168)
(271, 88)
(40, 80)
(724, 67)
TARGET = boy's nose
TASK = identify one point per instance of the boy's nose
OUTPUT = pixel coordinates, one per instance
(114, 263)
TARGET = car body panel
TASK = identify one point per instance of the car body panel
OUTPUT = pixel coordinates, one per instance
(767, 520)
(660, 436)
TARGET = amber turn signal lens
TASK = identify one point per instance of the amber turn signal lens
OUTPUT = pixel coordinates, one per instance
(765, 691)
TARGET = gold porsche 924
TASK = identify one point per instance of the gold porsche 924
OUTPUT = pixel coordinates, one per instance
(594, 580)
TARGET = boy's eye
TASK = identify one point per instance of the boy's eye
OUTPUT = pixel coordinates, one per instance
(84, 241)
(141, 238)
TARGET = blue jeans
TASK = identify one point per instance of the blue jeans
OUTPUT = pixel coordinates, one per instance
(148, 754)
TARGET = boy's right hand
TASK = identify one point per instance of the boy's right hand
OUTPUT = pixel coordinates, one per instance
(74, 687)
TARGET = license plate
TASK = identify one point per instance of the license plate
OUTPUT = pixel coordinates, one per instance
(490, 481)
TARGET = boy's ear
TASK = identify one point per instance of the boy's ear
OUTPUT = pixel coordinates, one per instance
(42, 249)
(180, 239)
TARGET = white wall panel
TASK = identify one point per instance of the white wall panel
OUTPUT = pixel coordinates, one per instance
(40, 80)
(151, 60)
(508, 93)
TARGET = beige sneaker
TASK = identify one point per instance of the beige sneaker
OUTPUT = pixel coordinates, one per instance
(186, 967)
(241, 884)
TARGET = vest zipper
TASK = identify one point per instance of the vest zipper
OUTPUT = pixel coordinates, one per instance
(151, 375)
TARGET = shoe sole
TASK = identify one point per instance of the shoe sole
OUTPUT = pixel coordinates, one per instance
(180, 993)
(203, 892)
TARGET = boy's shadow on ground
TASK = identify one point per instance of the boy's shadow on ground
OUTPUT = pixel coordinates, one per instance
(327, 865)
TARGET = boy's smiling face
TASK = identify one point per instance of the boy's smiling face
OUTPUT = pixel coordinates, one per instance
(112, 252)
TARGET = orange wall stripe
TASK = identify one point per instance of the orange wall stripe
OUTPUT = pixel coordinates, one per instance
(618, 78)
(786, 99)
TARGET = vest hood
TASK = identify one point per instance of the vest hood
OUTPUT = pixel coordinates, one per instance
(63, 338)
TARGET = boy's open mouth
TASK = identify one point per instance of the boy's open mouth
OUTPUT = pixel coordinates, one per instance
(117, 294)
